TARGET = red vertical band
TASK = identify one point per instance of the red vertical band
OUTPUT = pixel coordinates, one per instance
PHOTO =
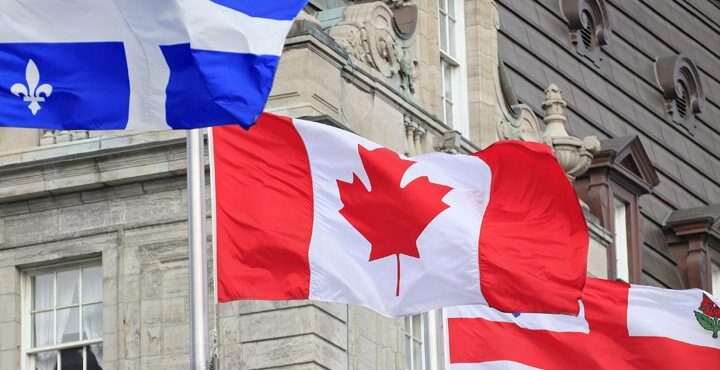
(533, 236)
(264, 211)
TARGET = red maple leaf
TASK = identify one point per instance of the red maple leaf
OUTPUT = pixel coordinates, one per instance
(390, 217)
(708, 307)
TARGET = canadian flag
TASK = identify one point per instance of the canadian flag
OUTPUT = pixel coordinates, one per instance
(621, 326)
(308, 211)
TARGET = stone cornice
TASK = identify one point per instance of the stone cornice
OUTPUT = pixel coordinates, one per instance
(90, 164)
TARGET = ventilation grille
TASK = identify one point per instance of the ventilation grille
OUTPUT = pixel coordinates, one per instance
(586, 36)
(587, 32)
(681, 100)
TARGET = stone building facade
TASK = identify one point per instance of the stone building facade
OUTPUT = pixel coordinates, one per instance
(93, 235)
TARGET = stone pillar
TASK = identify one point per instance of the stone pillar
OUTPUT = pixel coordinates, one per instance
(482, 22)
(410, 128)
(418, 137)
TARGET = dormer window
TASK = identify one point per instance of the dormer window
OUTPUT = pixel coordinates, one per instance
(680, 84)
(618, 176)
(588, 25)
(693, 235)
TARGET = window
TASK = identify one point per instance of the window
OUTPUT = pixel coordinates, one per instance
(413, 336)
(715, 279)
(622, 264)
(453, 74)
(63, 312)
(612, 187)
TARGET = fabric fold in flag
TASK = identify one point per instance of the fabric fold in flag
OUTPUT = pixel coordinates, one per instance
(304, 210)
(621, 326)
(139, 65)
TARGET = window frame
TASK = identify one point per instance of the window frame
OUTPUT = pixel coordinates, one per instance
(619, 275)
(414, 338)
(458, 67)
(633, 235)
(714, 258)
(27, 350)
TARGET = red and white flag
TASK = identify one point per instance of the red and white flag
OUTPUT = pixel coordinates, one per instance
(621, 326)
(304, 210)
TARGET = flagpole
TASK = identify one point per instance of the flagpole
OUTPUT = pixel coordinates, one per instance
(434, 337)
(197, 238)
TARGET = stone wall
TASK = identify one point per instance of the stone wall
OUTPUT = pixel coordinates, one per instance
(138, 229)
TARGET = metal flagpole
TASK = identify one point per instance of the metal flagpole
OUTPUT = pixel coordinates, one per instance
(197, 238)
(434, 337)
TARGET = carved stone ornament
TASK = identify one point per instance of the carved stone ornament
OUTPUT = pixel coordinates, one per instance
(519, 122)
(405, 16)
(367, 32)
(681, 87)
(588, 24)
(449, 142)
(414, 137)
(50, 137)
(574, 154)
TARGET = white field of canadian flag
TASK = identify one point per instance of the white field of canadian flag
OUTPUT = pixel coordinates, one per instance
(303, 210)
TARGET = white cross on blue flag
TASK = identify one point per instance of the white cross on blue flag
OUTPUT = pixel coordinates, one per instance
(139, 64)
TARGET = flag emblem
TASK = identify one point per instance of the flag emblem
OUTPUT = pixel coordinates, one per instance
(382, 214)
(708, 315)
(32, 91)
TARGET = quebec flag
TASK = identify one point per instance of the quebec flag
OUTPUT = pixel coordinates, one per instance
(139, 64)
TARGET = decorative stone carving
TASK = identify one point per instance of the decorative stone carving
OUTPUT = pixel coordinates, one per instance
(681, 87)
(574, 154)
(523, 126)
(519, 121)
(405, 18)
(367, 33)
(418, 137)
(450, 142)
(589, 26)
(410, 128)
(414, 137)
(50, 137)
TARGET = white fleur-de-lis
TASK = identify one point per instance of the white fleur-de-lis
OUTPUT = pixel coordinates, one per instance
(32, 92)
